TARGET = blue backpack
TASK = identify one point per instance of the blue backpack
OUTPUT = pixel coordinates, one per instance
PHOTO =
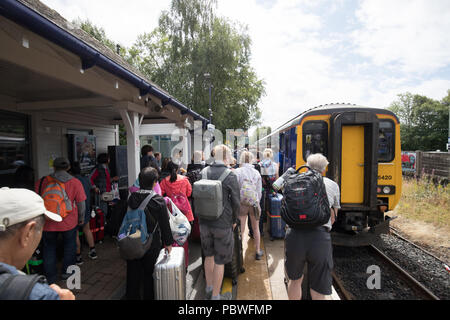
(134, 238)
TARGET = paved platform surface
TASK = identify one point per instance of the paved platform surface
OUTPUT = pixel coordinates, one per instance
(105, 277)
(254, 283)
(275, 261)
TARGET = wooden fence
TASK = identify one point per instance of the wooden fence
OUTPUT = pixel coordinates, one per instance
(418, 163)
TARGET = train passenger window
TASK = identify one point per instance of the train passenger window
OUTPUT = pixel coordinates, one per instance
(386, 141)
(315, 138)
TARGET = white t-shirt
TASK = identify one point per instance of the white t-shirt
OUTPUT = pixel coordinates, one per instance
(333, 195)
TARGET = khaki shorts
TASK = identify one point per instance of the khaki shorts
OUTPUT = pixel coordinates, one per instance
(217, 242)
(245, 210)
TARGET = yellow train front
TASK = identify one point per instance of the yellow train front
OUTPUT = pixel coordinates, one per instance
(363, 147)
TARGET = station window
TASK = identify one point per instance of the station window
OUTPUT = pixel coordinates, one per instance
(386, 141)
(14, 146)
(315, 138)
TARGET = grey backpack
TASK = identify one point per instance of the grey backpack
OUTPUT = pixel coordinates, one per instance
(208, 196)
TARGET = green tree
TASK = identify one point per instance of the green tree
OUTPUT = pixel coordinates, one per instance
(192, 41)
(424, 122)
(100, 35)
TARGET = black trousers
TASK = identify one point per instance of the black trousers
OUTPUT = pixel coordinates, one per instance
(140, 276)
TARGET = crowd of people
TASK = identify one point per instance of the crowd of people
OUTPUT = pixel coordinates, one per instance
(244, 189)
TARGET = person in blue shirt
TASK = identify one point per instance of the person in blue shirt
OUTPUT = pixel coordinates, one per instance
(22, 218)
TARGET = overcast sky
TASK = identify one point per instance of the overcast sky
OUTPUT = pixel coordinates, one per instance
(312, 52)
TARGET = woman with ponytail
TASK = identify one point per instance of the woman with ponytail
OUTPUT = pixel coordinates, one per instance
(178, 189)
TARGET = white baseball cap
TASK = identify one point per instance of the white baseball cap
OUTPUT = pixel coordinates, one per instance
(19, 205)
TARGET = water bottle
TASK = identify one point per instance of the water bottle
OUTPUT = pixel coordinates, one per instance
(279, 183)
(92, 213)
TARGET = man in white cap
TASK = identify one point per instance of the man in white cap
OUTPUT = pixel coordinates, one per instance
(22, 218)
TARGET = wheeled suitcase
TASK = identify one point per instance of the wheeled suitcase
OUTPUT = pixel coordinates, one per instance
(97, 225)
(262, 218)
(195, 233)
(118, 212)
(277, 225)
(169, 275)
(185, 246)
(236, 266)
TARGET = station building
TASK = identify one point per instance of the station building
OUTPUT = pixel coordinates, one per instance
(63, 93)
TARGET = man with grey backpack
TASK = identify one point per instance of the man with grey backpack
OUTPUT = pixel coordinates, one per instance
(217, 203)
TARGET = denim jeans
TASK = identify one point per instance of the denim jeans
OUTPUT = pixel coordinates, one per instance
(49, 252)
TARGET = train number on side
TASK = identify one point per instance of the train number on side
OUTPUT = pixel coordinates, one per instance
(386, 177)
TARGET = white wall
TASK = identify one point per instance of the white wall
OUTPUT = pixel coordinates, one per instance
(50, 140)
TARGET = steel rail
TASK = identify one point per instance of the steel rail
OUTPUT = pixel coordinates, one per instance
(396, 233)
(416, 284)
(341, 288)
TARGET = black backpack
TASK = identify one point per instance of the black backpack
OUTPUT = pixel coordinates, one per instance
(194, 175)
(17, 286)
(305, 202)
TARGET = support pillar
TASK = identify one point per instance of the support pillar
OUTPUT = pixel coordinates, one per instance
(132, 124)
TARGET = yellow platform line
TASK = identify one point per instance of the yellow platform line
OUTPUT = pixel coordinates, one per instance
(227, 285)
(254, 283)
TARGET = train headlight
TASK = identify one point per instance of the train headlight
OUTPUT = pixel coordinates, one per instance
(385, 190)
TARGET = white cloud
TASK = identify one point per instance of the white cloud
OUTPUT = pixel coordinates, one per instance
(384, 47)
(285, 53)
(122, 20)
(412, 34)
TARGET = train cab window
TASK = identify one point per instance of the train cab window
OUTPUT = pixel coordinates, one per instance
(315, 138)
(386, 141)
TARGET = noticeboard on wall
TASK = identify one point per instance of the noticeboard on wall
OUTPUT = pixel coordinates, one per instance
(85, 152)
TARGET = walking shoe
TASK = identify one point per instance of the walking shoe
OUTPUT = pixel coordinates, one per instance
(259, 255)
(92, 254)
(79, 260)
(226, 296)
(208, 294)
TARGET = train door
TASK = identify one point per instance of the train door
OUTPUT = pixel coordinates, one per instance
(289, 147)
(354, 165)
(352, 173)
(287, 150)
(282, 153)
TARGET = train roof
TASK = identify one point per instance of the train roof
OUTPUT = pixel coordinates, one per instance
(325, 109)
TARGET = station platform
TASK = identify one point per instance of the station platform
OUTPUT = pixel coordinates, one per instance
(105, 277)
(264, 279)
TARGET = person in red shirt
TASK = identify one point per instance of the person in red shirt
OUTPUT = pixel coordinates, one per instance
(178, 189)
(101, 180)
(68, 226)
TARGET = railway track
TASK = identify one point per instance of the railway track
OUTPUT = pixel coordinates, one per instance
(351, 276)
(416, 285)
(396, 233)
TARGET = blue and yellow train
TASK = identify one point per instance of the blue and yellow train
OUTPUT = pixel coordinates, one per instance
(362, 145)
